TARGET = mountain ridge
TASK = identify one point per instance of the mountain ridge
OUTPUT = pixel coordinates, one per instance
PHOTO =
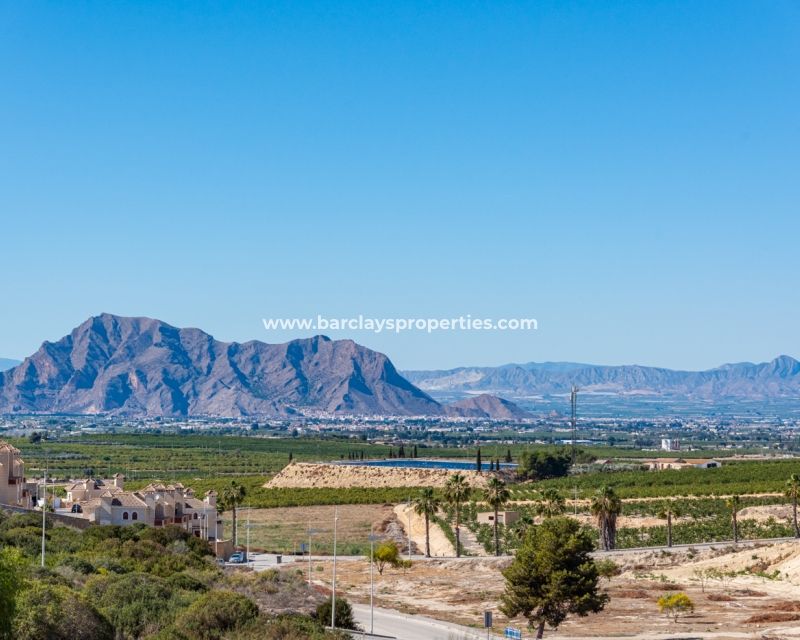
(133, 366)
(778, 378)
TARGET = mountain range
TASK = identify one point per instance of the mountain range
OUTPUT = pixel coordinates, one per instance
(143, 367)
(779, 378)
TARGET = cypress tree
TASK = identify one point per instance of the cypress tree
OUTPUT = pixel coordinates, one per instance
(478, 461)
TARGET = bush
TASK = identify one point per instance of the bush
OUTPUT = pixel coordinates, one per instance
(49, 612)
(11, 563)
(186, 582)
(675, 605)
(77, 564)
(215, 613)
(132, 602)
(344, 614)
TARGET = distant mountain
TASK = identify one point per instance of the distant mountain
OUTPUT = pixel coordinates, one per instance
(7, 363)
(779, 378)
(143, 367)
(486, 406)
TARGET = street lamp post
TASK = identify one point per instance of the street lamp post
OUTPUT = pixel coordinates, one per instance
(372, 540)
(333, 592)
(311, 532)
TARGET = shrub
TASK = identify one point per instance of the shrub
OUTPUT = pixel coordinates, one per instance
(186, 582)
(215, 613)
(675, 605)
(344, 614)
(132, 602)
(77, 564)
(10, 581)
(607, 568)
(50, 612)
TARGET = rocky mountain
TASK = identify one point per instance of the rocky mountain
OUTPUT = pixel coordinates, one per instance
(139, 366)
(779, 378)
(486, 406)
(8, 363)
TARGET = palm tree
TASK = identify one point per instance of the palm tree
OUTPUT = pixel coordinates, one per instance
(551, 504)
(733, 505)
(496, 495)
(232, 495)
(456, 491)
(605, 507)
(668, 514)
(525, 523)
(427, 504)
(792, 491)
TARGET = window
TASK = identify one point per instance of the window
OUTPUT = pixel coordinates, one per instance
(124, 515)
(135, 516)
(195, 516)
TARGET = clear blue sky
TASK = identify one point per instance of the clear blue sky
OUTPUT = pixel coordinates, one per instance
(626, 173)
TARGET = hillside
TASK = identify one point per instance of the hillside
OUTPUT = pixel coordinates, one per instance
(779, 378)
(486, 406)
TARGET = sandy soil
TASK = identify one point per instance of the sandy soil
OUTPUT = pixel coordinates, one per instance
(440, 545)
(302, 474)
(460, 590)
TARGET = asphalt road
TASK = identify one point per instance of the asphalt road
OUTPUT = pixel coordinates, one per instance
(407, 627)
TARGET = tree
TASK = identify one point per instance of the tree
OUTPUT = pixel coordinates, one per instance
(508, 456)
(550, 504)
(11, 563)
(703, 576)
(792, 491)
(607, 568)
(232, 495)
(456, 491)
(344, 614)
(478, 465)
(668, 513)
(553, 576)
(35, 438)
(541, 464)
(606, 507)
(496, 495)
(385, 555)
(523, 524)
(675, 605)
(733, 504)
(427, 505)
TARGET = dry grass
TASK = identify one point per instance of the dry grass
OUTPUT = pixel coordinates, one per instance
(719, 597)
(789, 605)
(666, 586)
(773, 617)
(630, 593)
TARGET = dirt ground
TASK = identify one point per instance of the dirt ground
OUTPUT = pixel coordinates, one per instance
(340, 476)
(461, 590)
(276, 530)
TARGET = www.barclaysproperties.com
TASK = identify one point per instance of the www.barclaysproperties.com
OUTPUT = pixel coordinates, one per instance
(400, 324)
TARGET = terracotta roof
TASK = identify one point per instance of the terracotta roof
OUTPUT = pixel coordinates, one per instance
(194, 503)
(4, 446)
(126, 499)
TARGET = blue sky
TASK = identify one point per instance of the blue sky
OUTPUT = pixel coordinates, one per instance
(626, 173)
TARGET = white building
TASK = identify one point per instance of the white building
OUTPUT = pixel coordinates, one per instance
(670, 444)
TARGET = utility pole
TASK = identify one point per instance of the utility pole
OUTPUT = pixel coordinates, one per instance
(573, 401)
(372, 538)
(333, 591)
(575, 502)
(311, 532)
(44, 504)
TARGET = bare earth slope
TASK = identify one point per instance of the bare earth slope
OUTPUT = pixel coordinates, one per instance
(301, 474)
(139, 366)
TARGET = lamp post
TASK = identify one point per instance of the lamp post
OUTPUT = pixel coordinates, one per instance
(409, 528)
(333, 591)
(311, 532)
(372, 540)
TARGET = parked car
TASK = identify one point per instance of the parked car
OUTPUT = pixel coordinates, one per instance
(237, 557)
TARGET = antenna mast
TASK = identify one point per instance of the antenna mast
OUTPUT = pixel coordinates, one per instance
(573, 401)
